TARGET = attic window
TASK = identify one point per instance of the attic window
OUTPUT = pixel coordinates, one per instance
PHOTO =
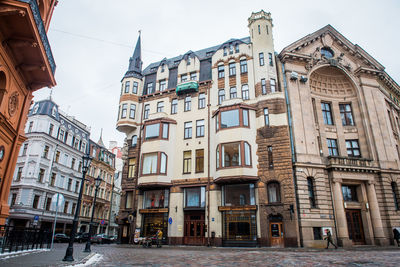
(162, 67)
(153, 69)
(209, 54)
(327, 52)
(188, 60)
(176, 62)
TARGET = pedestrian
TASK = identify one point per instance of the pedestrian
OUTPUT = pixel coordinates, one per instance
(328, 239)
(396, 235)
(159, 235)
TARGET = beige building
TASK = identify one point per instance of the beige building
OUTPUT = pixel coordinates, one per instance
(207, 157)
(344, 117)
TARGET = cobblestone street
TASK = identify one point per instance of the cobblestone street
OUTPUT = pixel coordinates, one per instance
(124, 255)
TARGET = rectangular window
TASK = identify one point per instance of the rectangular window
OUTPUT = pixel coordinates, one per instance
(245, 117)
(73, 208)
(13, 199)
(349, 193)
(353, 149)
(231, 155)
(160, 106)
(195, 197)
(73, 163)
(19, 174)
(188, 129)
(165, 130)
(51, 127)
(127, 85)
(317, 233)
(263, 87)
(46, 152)
(199, 160)
(131, 168)
(134, 88)
(270, 157)
(150, 163)
(132, 111)
(231, 49)
(152, 131)
(230, 118)
(57, 158)
(41, 175)
(221, 71)
(243, 66)
(238, 195)
(311, 195)
(188, 103)
(327, 113)
(35, 203)
(225, 51)
(53, 179)
(76, 186)
(193, 76)
(332, 147)
(156, 199)
(233, 92)
(221, 96)
(69, 184)
(271, 63)
(187, 161)
(61, 135)
(128, 200)
(146, 111)
(174, 106)
(48, 204)
(245, 92)
(261, 58)
(273, 85)
(202, 100)
(30, 127)
(266, 117)
(236, 48)
(346, 114)
(184, 78)
(232, 69)
(150, 88)
(24, 149)
(200, 128)
(124, 110)
(163, 85)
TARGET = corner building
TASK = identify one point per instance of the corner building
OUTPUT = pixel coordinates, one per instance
(207, 156)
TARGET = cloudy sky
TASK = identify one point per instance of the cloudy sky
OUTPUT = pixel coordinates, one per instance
(93, 40)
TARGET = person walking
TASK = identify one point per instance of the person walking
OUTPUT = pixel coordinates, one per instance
(396, 235)
(328, 239)
(159, 236)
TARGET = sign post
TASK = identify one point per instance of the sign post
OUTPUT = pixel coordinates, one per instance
(60, 200)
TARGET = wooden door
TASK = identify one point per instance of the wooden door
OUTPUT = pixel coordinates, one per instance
(355, 226)
(276, 234)
(194, 228)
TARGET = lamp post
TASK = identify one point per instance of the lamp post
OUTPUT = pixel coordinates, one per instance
(86, 159)
(97, 183)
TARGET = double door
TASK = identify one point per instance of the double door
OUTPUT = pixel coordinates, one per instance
(194, 232)
(355, 226)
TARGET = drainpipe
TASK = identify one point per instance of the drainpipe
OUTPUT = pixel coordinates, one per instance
(208, 164)
(293, 153)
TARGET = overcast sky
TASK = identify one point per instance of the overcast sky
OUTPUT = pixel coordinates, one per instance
(93, 40)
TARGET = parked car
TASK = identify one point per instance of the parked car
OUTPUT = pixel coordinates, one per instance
(101, 239)
(61, 238)
(113, 238)
(82, 237)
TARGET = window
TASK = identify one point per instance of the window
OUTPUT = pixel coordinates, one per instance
(187, 161)
(274, 194)
(188, 103)
(163, 85)
(73, 163)
(146, 111)
(238, 117)
(134, 88)
(13, 199)
(311, 195)
(259, 29)
(134, 140)
(261, 58)
(19, 174)
(132, 111)
(36, 201)
(53, 179)
(236, 48)
(395, 193)
(156, 199)
(202, 100)
(128, 199)
(150, 88)
(238, 195)
(332, 147)
(184, 78)
(154, 163)
(221, 96)
(162, 67)
(188, 60)
(271, 63)
(152, 131)
(317, 233)
(221, 71)
(231, 49)
(131, 168)
(346, 114)
(48, 204)
(73, 208)
(353, 149)
(232, 69)
(327, 52)
(174, 106)
(233, 92)
(195, 197)
(349, 192)
(243, 66)
(266, 117)
(30, 127)
(61, 135)
(46, 152)
(225, 51)
(127, 85)
(200, 128)
(41, 175)
(273, 85)
(188, 129)
(199, 160)
(193, 76)
(231, 154)
(160, 106)
(51, 127)
(24, 149)
(326, 113)
(69, 184)
(263, 87)
(270, 157)
(245, 92)
(76, 186)
(124, 110)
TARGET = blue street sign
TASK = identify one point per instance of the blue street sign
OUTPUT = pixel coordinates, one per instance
(212, 219)
(36, 218)
(170, 220)
(102, 221)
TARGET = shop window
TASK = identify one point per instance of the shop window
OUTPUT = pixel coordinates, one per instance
(238, 195)
(199, 160)
(332, 147)
(395, 193)
(349, 193)
(195, 197)
(233, 155)
(156, 199)
(317, 233)
(239, 226)
(311, 194)
(353, 148)
(187, 161)
(131, 168)
(346, 114)
(154, 163)
(274, 195)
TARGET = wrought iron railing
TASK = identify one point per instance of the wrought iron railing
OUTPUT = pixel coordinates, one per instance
(22, 238)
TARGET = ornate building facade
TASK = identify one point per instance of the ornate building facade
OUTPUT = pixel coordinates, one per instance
(207, 157)
(26, 65)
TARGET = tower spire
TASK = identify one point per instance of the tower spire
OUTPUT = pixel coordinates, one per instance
(100, 142)
(135, 62)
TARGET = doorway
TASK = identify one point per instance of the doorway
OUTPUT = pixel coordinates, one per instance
(355, 226)
(276, 234)
(194, 228)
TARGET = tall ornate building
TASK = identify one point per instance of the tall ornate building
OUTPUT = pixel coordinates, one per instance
(26, 65)
(344, 117)
(207, 158)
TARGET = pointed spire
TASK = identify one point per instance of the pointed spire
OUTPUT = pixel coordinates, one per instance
(135, 62)
(100, 142)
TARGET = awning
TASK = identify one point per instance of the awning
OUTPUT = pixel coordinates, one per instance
(187, 87)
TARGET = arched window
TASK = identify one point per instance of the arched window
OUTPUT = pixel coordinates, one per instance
(395, 193)
(274, 194)
(311, 195)
(327, 52)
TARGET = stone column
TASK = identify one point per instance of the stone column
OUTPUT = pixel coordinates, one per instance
(379, 236)
(340, 214)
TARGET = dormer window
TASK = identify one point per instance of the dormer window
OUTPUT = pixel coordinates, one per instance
(231, 49)
(162, 67)
(327, 52)
(225, 51)
(188, 60)
(236, 48)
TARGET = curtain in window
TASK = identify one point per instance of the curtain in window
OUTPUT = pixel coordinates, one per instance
(150, 164)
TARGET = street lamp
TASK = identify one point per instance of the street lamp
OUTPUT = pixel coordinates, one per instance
(97, 183)
(86, 159)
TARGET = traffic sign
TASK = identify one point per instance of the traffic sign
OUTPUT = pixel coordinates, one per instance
(102, 222)
(36, 218)
(170, 220)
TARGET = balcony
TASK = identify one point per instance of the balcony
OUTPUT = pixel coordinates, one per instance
(187, 87)
(351, 164)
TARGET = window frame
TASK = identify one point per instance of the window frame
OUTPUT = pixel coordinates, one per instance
(278, 192)
(221, 71)
(241, 119)
(202, 101)
(344, 113)
(161, 131)
(162, 85)
(174, 106)
(158, 168)
(200, 128)
(221, 97)
(327, 115)
(187, 162)
(135, 86)
(311, 192)
(331, 148)
(146, 111)
(188, 131)
(270, 59)
(188, 103)
(198, 159)
(233, 94)
(124, 110)
(232, 69)
(132, 110)
(160, 106)
(245, 93)
(352, 148)
(266, 117)
(261, 60)
(127, 87)
(272, 85)
(242, 156)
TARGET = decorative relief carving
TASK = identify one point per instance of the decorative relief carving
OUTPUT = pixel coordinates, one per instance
(318, 59)
(13, 102)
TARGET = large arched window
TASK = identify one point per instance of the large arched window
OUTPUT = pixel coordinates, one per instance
(274, 194)
(311, 194)
(395, 193)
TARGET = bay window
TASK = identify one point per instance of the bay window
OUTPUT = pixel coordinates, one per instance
(154, 163)
(238, 117)
(156, 131)
(233, 155)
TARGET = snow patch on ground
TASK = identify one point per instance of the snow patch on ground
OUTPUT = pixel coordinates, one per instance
(92, 261)
(8, 255)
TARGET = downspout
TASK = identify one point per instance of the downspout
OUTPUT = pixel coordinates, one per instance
(292, 148)
(208, 164)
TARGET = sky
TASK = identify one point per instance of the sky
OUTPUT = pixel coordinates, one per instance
(92, 41)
